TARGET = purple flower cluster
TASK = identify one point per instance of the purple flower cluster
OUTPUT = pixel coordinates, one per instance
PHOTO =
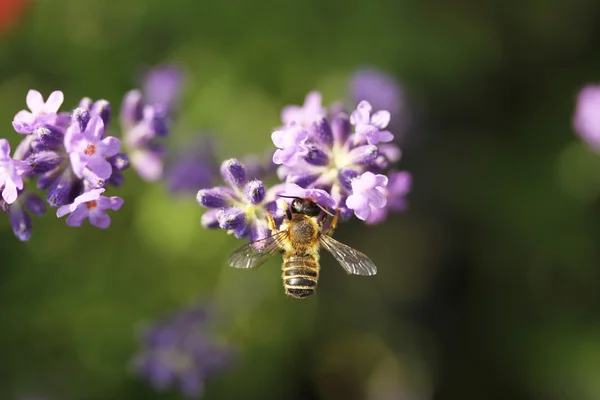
(240, 207)
(341, 160)
(72, 158)
(344, 155)
(178, 350)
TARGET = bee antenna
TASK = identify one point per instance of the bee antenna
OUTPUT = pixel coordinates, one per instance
(324, 210)
(289, 197)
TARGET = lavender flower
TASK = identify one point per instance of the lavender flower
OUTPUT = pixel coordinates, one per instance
(398, 186)
(332, 156)
(162, 86)
(90, 205)
(369, 126)
(380, 89)
(87, 148)
(40, 112)
(177, 350)
(143, 125)
(240, 208)
(304, 115)
(70, 158)
(586, 120)
(11, 172)
(194, 168)
(367, 193)
(291, 144)
(20, 219)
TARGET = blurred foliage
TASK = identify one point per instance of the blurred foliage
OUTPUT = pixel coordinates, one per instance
(487, 287)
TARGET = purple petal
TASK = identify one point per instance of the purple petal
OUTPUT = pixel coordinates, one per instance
(20, 222)
(54, 101)
(102, 109)
(34, 204)
(278, 138)
(258, 232)
(255, 192)
(361, 114)
(360, 206)
(377, 216)
(4, 149)
(340, 128)
(77, 217)
(77, 164)
(321, 129)
(81, 118)
(92, 195)
(99, 218)
(234, 173)
(209, 219)
(63, 210)
(390, 151)
(380, 119)
(214, 198)
(381, 180)
(376, 198)
(9, 194)
(362, 155)
(95, 128)
(23, 122)
(110, 146)
(385, 136)
(112, 203)
(148, 164)
(35, 102)
(231, 218)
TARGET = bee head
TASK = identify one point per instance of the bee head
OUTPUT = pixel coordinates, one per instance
(306, 207)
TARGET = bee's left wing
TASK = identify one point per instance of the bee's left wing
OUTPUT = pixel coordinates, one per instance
(353, 261)
(255, 254)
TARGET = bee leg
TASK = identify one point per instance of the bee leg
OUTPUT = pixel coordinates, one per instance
(271, 222)
(333, 223)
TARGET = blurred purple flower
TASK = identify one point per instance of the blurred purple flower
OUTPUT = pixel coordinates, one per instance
(586, 120)
(142, 126)
(11, 172)
(178, 350)
(367, 193)
(162, 86)
(90, 205)
(40, 112)
(399, 185)
(379, 88)
(305, 114)
(194, 168)
(384, 92)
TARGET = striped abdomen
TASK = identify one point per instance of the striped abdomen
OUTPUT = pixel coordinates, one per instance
(300, 275)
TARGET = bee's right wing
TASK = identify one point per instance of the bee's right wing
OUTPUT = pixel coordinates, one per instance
(353, 261)
(255, 254)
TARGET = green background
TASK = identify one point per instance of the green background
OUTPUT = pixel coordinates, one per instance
(487, 287)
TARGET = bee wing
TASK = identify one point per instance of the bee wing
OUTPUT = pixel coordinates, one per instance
(255, 254)
(353, 261)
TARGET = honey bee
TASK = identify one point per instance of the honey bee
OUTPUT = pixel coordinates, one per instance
(299, 238)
